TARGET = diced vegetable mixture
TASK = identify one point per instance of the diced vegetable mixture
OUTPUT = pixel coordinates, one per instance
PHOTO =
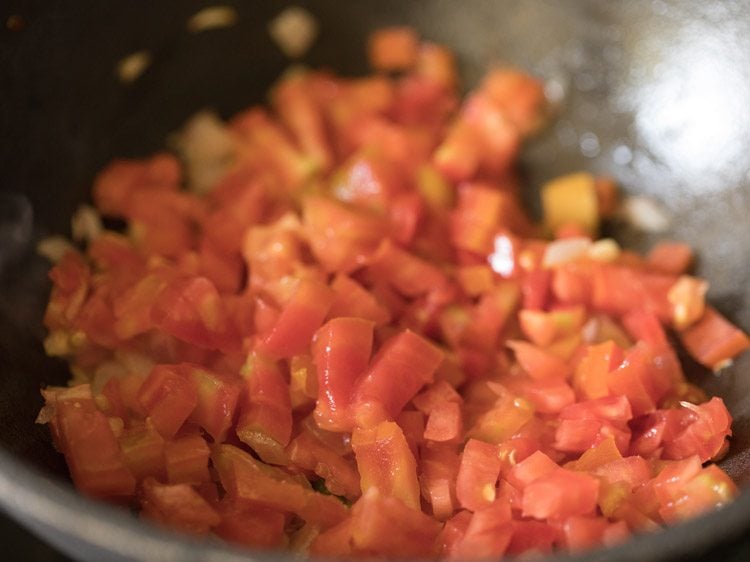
(331, 327)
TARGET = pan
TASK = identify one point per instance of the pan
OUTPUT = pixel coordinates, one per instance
(653, 93)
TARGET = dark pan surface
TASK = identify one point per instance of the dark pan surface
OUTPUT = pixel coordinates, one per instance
(655, 93)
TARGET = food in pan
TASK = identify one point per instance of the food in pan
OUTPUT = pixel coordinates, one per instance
(330, 326)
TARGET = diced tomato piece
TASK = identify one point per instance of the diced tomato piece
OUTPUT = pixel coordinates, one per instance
(393, 48)
(542, 328)
(386, 462)
(300, 318)
(530, 469)
(169, 398)
(618, 289)
(340, 475)
(548, 396)
(336, 542)
(713, 340)
(177, 506)
(590, 379)
(639, 380)
(459, 155)
(250, 482)
(299, 111)
(477, 475)
(438, 64)
(217, 399)
(352, 299)
(487, 535)
(192, 310)
(143, 450)
(520, 96)
(444, 423)
(668, 484)
(116, 183)
(186, 460)
(438, 469)
(710, 489)
(538, 363)
(559, 494)
(341, 237)
(408, 274)
(704, 433)
(582, 532)
(404, 364)
(83, 434)
(341, 352)
(645, 326)
(670, 257)
(531, 538)
(265, 418)
(70, 285)
(254, 527)
(604, 452)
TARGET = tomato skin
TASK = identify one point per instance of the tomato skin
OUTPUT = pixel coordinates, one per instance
(404, 364)
(477, 475)
(169, 398)
(341, 352)
(386, 463)
(559, 494)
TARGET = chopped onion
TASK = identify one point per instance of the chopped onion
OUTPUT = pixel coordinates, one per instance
(604, 250)
(565, 250)
(294, 30)
(131, 67)
(213, 17)
(86, 224)
(207, 148)
(54, 248)
(644, 214)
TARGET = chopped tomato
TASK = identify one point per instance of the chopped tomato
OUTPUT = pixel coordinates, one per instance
(386, 463)
(348, 306)
(177, 506)
(341, 352)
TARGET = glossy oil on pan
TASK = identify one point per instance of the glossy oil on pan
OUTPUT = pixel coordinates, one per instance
(653, 92)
